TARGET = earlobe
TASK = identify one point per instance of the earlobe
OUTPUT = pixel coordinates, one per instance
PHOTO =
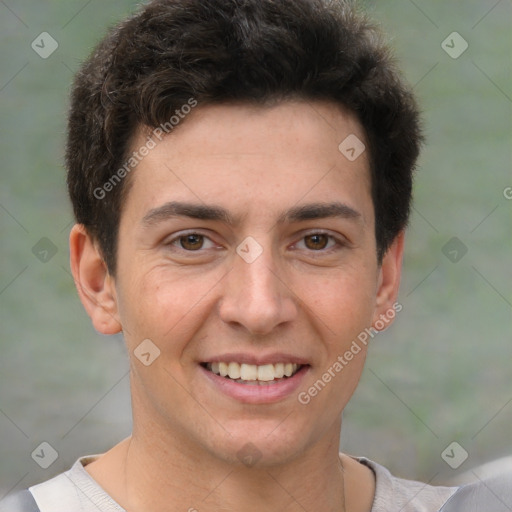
(95, 285)
(389, 283)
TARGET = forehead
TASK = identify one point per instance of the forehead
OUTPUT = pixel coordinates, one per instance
(243, 155)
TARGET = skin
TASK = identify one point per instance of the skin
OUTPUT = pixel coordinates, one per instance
(300, 297)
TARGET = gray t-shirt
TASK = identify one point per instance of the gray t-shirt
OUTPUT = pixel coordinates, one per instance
(76, 491)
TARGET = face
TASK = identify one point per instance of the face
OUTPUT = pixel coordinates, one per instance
(247, 256)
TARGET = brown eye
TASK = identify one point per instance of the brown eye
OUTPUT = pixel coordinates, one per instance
(316, 242)
(191, 242)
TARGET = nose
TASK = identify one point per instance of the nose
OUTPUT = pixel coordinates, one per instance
(256, 296)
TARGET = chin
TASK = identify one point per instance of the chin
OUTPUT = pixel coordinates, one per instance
(260, 443)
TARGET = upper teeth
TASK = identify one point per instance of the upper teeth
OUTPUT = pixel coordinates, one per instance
(265, 372)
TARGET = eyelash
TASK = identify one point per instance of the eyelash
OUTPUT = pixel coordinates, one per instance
(339, 244)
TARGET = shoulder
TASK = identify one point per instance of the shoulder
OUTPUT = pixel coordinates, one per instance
(72, 491)
(22, 501)
(56, 495)
(392, 493)
(494, 492)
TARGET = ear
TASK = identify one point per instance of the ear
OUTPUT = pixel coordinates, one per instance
(95, 285)
(388, 284)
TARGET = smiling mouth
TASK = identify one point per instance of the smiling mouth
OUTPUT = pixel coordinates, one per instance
(255, 375)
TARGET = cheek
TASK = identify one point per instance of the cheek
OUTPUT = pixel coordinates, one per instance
(344, 302)
(163, 306)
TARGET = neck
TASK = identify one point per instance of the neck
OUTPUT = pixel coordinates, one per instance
(165, 474)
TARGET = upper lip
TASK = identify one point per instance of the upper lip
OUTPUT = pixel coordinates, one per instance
(258, 360)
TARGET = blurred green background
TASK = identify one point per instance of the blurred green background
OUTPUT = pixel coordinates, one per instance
(441, 373)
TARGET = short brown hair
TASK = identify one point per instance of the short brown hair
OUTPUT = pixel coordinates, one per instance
(253, 51)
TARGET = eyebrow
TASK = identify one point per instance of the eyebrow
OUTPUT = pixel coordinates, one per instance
(311, 211)
(319, 211)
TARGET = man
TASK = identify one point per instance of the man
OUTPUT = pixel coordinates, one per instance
(241, 175)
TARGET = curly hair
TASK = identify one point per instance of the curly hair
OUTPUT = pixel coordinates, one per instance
(255, 51)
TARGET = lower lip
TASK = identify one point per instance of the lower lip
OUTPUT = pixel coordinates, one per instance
(257, 394)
